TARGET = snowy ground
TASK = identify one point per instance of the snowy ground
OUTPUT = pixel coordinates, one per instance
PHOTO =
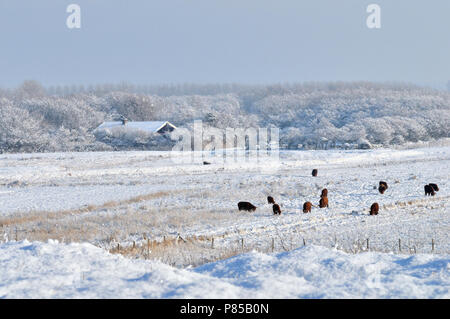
(144, 200)
(54, 270)
(151, 209)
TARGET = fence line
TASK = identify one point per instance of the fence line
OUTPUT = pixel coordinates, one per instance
(225, 247)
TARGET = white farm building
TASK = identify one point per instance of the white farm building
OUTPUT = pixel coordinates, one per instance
(146, 126)
(124, 134)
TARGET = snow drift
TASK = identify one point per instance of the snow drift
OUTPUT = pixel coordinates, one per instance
(55, 270)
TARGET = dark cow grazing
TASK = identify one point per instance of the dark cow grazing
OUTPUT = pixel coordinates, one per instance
(314, 172)
(382, 189)
(246, 206)
(307, 207)
(324, 193)
(276, 209)
(270, 200)
(435, 187)
(429, 190)
(323, 202)
(206, 163)
(384, 184)
(374, 209)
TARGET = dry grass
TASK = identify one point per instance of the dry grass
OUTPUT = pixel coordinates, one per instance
(150, 215)
(105, 226)
(145, 218)
(179, 252)
(417, 202)
(196, 251)
(21, 218)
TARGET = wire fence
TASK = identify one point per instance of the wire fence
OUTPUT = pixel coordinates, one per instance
(183, 251)
(179, 251)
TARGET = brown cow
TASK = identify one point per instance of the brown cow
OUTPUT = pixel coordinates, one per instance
(435, 187)
(429, 190)
(246, 206)
(314, 172)
(374, 209)
(382, 188)
(323, 202)
(324, 193)
(307, 207)
(270, 200)
(276, 209)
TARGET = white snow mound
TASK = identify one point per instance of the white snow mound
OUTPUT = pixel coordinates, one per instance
(55, 270)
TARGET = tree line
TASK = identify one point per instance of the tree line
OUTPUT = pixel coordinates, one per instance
(309, 115)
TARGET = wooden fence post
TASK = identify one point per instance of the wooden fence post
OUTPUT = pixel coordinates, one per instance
(273, 244)
(399, 245)
(367, 243)
(432, 245)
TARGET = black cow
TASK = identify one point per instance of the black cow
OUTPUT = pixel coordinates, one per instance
(435, 187)
(246, 206)
(429, 190)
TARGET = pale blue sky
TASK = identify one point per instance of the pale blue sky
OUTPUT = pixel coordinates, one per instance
(244, 41)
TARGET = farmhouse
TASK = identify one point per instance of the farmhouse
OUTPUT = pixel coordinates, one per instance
(152, 127)
(126, 135)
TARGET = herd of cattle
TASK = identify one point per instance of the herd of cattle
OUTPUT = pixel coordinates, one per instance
(430, 190)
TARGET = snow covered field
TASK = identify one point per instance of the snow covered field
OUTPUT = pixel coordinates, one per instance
(144, 205)
(53, 270)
